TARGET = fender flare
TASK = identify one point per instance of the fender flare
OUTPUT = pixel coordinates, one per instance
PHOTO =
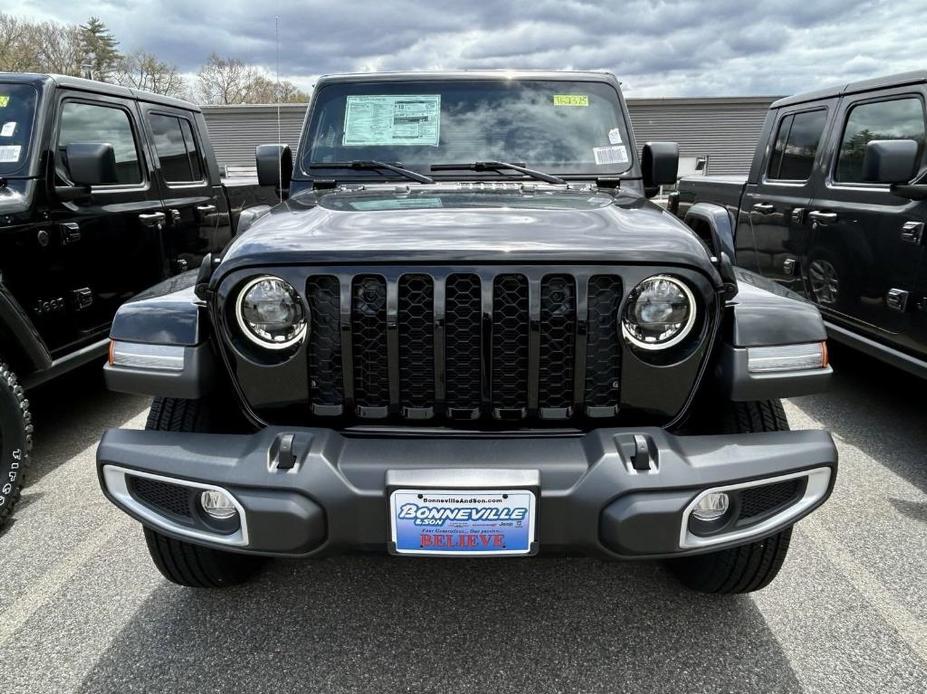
(18, 329)
(720, 226)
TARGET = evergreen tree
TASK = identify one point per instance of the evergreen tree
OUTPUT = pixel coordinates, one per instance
(99, 48)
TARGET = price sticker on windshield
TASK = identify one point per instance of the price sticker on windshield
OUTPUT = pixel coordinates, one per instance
(571, 100)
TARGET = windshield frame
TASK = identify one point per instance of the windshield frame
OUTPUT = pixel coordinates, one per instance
(307, 172)
(28, 147)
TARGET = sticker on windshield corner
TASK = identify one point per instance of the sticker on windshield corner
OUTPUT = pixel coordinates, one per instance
(4, 101)
(8, 129)
(571, 100)
(411, 119)
(9, 153)
(614, 136)
(615, 154)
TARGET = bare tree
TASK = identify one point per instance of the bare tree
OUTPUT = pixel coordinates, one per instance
(60, 49)
(39, 46)
(224, 81)
(143, 70)
(231, 81)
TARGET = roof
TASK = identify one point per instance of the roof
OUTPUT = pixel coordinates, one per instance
(435, 75)
(885, 82)
(96, 87)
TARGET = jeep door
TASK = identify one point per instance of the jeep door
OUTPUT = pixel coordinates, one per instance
(861, 264)
(198, 220)
(776, 204)
(111, 237)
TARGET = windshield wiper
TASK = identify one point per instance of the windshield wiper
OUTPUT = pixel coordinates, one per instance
(496, 166)
(374, 166)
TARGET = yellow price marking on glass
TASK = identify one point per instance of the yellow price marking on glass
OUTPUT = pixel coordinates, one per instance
(571, 100)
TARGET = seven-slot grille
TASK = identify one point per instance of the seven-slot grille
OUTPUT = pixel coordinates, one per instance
(464, 345)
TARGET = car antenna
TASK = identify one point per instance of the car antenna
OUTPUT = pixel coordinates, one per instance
(277, 99)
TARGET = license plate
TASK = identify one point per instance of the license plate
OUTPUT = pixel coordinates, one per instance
(462, 522)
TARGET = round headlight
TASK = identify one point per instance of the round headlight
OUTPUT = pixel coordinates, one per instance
(270, 313)
(659, 313)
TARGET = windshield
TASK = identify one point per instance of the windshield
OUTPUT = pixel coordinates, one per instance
(17, 110)
(560, 127)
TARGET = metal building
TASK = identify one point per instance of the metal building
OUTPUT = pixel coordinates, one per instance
(724, 130)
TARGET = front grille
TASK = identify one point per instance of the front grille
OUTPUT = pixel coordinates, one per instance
(163, 496)
(464, 345)
(760, 501)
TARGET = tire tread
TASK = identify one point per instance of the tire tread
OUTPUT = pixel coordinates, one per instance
(11, 385)
(181, 562)
(750, 567)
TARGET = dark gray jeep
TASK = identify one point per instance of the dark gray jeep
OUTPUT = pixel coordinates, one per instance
(468, 333)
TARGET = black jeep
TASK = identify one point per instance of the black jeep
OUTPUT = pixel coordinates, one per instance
(467, 332)
(105, 192)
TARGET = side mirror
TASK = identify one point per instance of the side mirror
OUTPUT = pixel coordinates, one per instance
(890, 161)
(274, 165)
(91, 163)
(659, 164)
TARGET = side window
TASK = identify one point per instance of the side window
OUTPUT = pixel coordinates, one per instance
(796, 145)
(83, 122)
(899, 119)
(192, 152)
(176, 148)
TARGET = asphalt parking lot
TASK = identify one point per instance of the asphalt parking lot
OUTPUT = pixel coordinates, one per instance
(82, 608)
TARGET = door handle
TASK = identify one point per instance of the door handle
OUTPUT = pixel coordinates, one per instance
(152, 219)
(826, 217)
(764, 207)
(912, 232)
(206, 209)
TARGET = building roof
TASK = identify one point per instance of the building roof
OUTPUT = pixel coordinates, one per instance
(897, 80)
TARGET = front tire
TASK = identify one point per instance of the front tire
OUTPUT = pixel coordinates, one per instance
(15, 440)
(753, 566)
(185, 563)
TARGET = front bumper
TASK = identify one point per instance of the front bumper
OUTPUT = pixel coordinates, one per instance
(623, 493)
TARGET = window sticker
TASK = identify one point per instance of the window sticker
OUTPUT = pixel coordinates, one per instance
(571, 100)
(8, 129)
(614, 136)
(392, 120)
(4, 101)
(615, 154)
(9, 153)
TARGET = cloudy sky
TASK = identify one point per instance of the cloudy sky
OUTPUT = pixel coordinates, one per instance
(684, 48)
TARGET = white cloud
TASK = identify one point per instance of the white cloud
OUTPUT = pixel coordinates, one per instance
(663, 48)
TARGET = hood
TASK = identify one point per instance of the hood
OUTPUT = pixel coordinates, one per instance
(467, 224)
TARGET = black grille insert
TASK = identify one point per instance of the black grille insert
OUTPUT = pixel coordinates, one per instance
(173, 499)
(326, 389)
(510, 345)
(416, 341)
(603, 346)
(558, 339)
(756, 502)
(368, 329)
(462, 344)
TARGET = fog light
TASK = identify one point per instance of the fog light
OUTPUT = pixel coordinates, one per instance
(217, 504)
(711, 506)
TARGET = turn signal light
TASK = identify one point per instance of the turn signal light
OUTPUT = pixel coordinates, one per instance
(811, 355)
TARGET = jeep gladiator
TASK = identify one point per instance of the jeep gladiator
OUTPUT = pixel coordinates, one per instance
(468, 333)
(105, 192)
(834, 208)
